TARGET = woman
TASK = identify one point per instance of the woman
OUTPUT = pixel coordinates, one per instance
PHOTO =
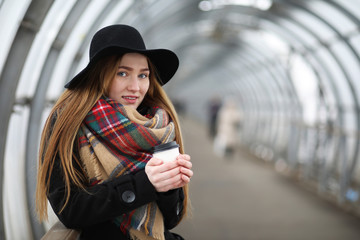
(228, 125)
(96, 166)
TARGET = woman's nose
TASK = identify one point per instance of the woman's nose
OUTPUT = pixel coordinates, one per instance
(134, 84)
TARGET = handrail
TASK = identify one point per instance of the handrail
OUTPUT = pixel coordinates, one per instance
(59, 232)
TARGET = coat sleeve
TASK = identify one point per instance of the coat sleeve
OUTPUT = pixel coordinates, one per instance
(101, 202)
(171, 205)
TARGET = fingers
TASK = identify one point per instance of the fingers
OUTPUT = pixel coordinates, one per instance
(155, 162)
(182, 160)
(185, 179)
(168, 184)
(173, 183)
(163, 167)
(169, 175)
(184, 157)
(162, 176)
(184, 163)
(177, 181)
(187, 172)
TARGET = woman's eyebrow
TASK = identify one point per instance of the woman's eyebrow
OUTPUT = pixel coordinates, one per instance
(130, 68)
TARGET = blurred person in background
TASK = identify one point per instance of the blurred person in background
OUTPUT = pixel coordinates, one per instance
(228, 126)
(213, 109)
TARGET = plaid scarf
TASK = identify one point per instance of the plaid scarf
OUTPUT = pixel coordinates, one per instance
(116, 140)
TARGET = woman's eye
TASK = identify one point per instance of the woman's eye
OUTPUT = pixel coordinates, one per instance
(143, 75)
(121, 74)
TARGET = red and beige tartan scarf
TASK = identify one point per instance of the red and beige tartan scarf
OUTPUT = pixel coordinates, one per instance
(116, 140)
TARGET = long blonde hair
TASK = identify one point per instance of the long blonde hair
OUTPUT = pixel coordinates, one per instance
(61, 127)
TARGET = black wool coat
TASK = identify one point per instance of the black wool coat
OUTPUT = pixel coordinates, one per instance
(93, 210)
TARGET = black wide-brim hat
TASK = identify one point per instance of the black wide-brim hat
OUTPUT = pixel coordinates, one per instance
(120, 39)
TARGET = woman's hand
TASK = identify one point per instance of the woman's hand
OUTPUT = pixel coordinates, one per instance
(170, 175)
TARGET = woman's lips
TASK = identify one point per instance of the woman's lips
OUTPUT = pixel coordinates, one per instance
(130, 99)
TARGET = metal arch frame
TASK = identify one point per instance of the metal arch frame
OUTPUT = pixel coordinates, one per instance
(263, 95)
(317, 68)
(291, 101)
(306, 55)
(196, 39)
(196, 78)
(37, 101)
(216, 56)
(37, 98)
(348, 170)
(271, 99)
(246, 87)
(86, 42)
(249, 104)
(257, 95)
(297, 38)
(178, 12)
(340, 8)
(295, 34)
(11, 75)
(288, 17)
(254, 75)
(340, 111)
(190, 40)
(305, 29)
(324, 172)
(37, 106)
(246, 13)
(238, 84)
(291, 88)
(278, 82)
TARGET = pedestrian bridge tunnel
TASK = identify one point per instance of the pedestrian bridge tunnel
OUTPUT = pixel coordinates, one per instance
(291, 67)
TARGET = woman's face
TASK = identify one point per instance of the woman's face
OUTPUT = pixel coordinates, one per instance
(131, 82)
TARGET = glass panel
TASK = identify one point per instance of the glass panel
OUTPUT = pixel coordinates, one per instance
(333, 16)
(329, 63)
(52, 218)
(251, 101)
(40, 48)
(300, 33)
(116, 12)
(11, 16)
(354, 41)
(314, 24)
(350, 63)
(281, 33)
(350, 120)
(267, 40)
(330, 90)
(69, 51)
(353, 6)
(305, 83)
(16, 212)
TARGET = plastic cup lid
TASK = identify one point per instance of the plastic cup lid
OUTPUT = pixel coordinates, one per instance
(165, 146)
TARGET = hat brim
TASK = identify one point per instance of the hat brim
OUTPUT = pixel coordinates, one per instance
(165, 61)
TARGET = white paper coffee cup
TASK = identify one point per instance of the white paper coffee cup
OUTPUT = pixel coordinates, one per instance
(166, 152)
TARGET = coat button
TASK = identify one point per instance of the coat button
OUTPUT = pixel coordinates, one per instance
(128, 196)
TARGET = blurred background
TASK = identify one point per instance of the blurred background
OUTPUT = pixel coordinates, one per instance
(267, 92)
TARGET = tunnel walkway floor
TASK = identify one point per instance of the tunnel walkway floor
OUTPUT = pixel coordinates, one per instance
(246, 199)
